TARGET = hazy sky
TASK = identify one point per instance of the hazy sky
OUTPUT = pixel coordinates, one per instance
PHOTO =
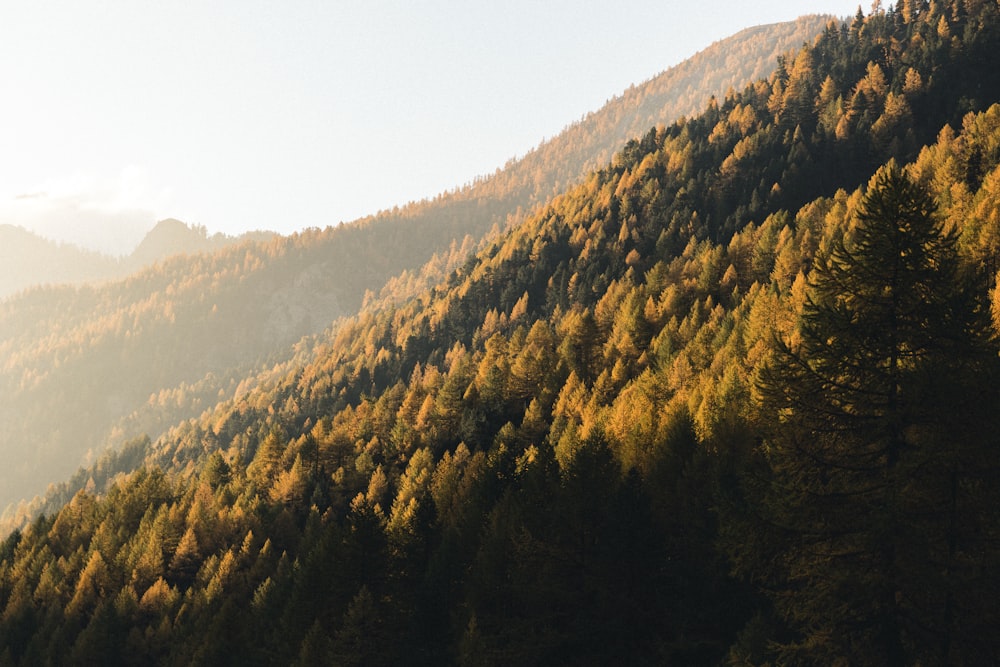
(275, 115)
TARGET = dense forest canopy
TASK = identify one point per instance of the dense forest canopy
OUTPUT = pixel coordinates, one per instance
(730, 400)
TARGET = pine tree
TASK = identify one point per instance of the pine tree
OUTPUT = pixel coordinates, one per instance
(873, 445)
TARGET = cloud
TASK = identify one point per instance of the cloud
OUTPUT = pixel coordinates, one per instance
(107, 214)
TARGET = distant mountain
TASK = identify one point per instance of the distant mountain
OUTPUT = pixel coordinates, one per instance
(169, 237)
(172, 237)
(27, 259)
(100, 352)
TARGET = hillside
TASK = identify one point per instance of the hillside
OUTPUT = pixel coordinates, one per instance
(501, 200)
(730, 400)
(590, 143)
(162, 345)
(98, 353)
(29, 260)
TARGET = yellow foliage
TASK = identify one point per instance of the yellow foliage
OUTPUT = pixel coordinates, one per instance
(159, 597)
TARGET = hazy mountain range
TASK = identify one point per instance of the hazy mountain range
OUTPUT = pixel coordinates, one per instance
(30, 260)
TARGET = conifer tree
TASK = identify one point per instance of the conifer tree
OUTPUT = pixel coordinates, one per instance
(186, 561)
(873, 444)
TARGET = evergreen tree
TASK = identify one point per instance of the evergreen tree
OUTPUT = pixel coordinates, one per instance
(870, 450)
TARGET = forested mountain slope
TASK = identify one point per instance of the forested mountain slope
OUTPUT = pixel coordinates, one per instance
(165, 343)
(685, 414)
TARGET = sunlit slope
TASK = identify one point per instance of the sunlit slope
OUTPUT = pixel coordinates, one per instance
(589, 143)
(550, 455)
(168, 341)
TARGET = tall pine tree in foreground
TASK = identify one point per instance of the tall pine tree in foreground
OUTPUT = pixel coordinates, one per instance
(878, 447)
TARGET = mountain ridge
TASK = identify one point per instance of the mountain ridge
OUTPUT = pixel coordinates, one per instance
(32, 260)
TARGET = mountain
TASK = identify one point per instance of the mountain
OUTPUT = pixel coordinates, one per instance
(729, 400)
(29, 260)
(171, 237)
(501, 199)
(590, 143)
(140, 354)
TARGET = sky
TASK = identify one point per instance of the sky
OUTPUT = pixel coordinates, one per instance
(242, 114)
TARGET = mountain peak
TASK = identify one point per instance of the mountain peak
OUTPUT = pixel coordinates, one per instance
(169, 237)
(169, 223)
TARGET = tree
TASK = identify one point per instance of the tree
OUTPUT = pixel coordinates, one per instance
(93, 585)
(187, 559)
(267, 460)
(291, 485)
(873, 442)
(360, 639)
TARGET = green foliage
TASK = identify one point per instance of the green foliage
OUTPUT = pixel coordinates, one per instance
(873, 486)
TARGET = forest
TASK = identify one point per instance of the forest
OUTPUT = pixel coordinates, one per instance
(731, 399)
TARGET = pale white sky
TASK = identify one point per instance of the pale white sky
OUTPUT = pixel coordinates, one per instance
(244, 114)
